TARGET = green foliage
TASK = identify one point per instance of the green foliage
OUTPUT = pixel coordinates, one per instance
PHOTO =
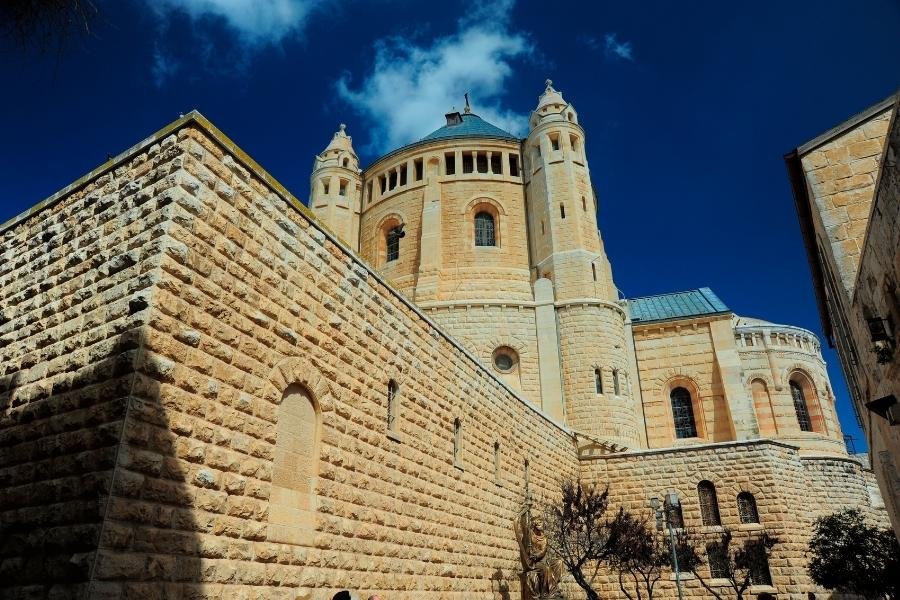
(849, 556)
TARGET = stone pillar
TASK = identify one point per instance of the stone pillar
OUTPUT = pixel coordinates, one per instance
(740, 404)
(548, 350)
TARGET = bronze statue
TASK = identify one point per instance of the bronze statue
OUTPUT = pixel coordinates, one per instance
(540, 568)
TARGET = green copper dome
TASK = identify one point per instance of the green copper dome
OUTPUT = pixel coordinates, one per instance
(469, 125)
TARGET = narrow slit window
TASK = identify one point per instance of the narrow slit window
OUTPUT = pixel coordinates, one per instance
(594, 271)
(382, 183)
(369, 192)
(402, 180)
(514, 165)
(457, 442)
(497, 463)
(616, 389)
(542, 228)
(449, 163)
(562, 211)
(393, 401)
(598, 380)
(325, 186)
(417, 169)
(342, 191)
(392, 180)
(584, 204)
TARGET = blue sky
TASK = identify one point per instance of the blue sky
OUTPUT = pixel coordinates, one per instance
(688, 108)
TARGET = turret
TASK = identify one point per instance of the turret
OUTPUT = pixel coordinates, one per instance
(335, 190)
(598, 371)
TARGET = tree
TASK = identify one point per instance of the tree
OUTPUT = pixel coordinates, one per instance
(642, 554)
(46, 23)
(579, 532)
(851, 557)
(741, 564)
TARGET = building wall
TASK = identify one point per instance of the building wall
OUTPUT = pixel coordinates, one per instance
(75, 285)
(841, 176)
(681, 354)
(790, 492)
(251, 300)
(857, 247)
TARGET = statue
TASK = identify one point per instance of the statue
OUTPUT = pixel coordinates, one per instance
(541, 569)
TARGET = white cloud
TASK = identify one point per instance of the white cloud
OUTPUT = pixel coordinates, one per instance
(411, 86)
(616, 48)
(257, 22)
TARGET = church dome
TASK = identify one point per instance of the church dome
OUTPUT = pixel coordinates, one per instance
(467, 125)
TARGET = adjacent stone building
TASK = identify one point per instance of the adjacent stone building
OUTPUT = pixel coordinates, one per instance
(846, 185)
(209, 390)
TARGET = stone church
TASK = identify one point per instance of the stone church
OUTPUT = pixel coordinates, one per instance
(209, 390)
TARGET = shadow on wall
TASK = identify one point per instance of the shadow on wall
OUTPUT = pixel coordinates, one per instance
(69, 438)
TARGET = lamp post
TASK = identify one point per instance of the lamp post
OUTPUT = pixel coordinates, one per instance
(663, 514)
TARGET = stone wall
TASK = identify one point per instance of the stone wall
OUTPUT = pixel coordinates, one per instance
(681, 354)
(76, 279)
(250, 300)
(841, 176)
(790, 492)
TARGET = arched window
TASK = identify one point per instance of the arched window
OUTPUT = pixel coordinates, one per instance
(346, 162)
(295, 467)
(683, 413)
(598, 380)
(485, 229)
(457, 442)
(393, 398)
(674, 516)
(393, 242)
(709, 504)
(616, 389)
(800, 407)
(747, 508)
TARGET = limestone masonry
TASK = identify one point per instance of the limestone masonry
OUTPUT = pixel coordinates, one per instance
(846, 186)
(210, 391)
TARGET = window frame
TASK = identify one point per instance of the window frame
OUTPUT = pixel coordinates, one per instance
(681, 413)
(485, 236)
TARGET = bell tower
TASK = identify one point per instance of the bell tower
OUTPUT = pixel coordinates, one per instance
(335, 189)
(596, 358)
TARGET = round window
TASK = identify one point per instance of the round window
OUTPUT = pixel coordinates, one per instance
(505, 359)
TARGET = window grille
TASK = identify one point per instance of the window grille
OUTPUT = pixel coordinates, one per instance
(718, 561)
(800, 407)
(393, 243)
(709, 504)
(747, 508)
(484, 230)
(683, 413)
(759, 565)
(674, 516)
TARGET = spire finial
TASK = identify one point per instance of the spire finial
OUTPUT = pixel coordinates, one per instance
(549, 83)
(468, 108)
(343, 127)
